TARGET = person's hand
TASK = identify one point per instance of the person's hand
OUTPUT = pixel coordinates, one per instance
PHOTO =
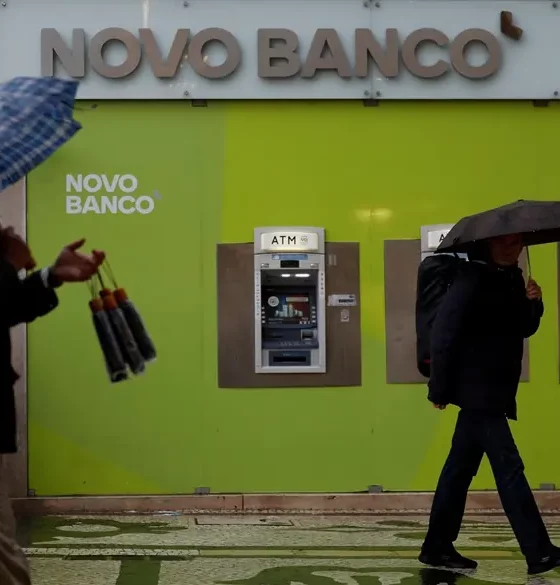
(438, 399)
(15, 250)
(534, 292)
(73, 266)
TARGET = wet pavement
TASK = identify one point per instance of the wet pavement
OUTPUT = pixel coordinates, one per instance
(241, 550)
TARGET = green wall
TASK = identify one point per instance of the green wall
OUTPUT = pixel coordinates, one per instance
(366, 175)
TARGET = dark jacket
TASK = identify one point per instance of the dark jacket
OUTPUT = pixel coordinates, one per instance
(477, 339)
(21, 301)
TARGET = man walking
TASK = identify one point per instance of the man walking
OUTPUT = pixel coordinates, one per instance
(22, 301)
(476, 354)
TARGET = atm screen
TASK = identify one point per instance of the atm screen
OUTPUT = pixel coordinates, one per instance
(288, 308)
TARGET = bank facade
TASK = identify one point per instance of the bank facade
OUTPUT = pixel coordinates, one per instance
(206, 119)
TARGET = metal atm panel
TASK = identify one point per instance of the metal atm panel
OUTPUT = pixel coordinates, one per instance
(289, 264)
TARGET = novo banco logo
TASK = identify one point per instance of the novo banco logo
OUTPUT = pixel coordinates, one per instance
(101, 194)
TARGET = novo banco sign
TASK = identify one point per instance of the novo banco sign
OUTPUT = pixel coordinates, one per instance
(279, 53)
(107, 194)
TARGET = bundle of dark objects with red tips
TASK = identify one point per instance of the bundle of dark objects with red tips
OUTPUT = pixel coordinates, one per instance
(123, 337)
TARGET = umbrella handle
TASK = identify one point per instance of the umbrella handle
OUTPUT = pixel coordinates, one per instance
(529, 271)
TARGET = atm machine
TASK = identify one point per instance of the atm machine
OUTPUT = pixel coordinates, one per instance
(290, 300)
(431, 237)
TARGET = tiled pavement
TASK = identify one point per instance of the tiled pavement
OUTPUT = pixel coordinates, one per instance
(223, 550)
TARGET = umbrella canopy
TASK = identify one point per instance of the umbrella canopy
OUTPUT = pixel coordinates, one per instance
(537, 221)
(35, 120)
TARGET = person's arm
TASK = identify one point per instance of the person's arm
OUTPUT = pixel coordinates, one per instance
(532, 307)
(22, 301)
(446, 331)
(533, 310)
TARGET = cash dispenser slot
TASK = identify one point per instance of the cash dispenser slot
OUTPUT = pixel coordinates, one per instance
(289, 358)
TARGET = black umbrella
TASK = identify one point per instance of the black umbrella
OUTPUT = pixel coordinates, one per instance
(123, 334)
(133, 318)
(112, 354)
(537, 221)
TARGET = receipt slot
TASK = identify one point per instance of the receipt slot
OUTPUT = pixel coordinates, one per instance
(290, 300)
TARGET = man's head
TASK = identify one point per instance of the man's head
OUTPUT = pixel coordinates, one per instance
(505, 250)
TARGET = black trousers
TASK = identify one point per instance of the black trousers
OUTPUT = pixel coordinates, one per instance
(477, 433)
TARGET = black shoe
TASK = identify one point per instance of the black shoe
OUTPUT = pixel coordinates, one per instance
(433, 576)
(450, 560)
(546, 563)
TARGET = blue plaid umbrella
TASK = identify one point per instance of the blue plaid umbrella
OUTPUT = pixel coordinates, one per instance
(36, 118)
